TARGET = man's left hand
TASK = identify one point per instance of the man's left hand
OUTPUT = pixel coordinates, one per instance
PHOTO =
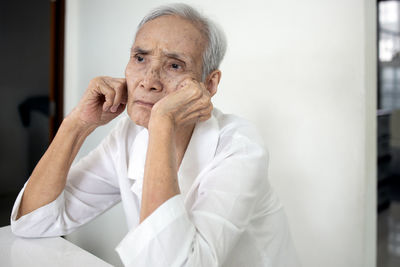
(190, 103)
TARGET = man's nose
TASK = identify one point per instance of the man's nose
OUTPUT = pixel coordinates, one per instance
(151, 80)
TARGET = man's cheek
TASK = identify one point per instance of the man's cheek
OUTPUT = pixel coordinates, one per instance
(170, 81)
(130, 91)
(132, 88)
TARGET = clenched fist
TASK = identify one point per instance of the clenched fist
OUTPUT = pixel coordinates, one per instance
(104, 99)
(190, 103)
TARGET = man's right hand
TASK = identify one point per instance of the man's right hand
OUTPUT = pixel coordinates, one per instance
(104, 99)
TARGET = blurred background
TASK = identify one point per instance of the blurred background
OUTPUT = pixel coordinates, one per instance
(31, 87)
(389, 133)
(320, 78)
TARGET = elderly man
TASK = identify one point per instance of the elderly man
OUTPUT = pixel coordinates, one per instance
(192, 180)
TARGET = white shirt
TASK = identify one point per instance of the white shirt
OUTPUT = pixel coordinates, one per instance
(225, 215)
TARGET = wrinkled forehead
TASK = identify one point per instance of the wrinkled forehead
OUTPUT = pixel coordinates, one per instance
(171, 33)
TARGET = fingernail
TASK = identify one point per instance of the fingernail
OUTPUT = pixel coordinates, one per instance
(114, 108)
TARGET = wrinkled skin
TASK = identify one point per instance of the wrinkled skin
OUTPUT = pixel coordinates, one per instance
(162, 79)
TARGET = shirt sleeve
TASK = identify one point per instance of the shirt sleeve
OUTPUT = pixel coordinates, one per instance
(91, 189)
(204, 232)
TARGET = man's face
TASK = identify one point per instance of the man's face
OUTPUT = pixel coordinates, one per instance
(166, 51)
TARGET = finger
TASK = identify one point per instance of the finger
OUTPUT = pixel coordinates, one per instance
(124, 99)
(120, 93)
(123, 84)
(205, 91)
(197, 115)
(191, 92)
(108, 93)
(198, 104)
(205, 117)
(120, 109)
(194, 118)
(205, 113)
(188, 103)
(121, 80)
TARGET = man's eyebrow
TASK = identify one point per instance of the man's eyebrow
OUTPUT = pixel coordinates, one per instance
(174, 55)
(177, 56)
(138, 50)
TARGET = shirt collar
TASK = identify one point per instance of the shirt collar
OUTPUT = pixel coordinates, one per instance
(200, 151)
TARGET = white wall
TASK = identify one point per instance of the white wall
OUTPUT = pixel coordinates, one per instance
(304, 72)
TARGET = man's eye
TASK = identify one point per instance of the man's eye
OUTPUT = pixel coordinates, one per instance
(139, 58)
(175, 66)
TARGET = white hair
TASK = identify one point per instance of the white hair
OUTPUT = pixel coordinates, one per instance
(216, 40)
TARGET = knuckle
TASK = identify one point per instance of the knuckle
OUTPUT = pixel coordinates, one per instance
(115, 80)
(117, 85)
(99, 79)
(207, 115)
(110, 93)
(196, 93)
(117, 91)
(191, 92)
(188, 80)
(203, 102)
(93, 82)
(184, 83)
(120, 86)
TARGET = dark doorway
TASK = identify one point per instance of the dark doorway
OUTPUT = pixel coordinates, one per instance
(31, 52)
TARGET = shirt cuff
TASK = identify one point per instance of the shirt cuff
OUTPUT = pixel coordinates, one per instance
(161, 238)
(30, 225)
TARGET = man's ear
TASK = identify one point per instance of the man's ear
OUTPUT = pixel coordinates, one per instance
(212, 81)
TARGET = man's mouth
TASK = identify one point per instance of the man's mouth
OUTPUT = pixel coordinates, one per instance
(144, 103)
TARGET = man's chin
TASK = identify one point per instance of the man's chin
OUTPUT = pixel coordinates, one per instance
(143, 124)
(139, 117)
